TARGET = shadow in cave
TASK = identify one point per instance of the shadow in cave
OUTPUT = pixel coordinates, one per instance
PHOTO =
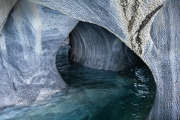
(92, 94)
(105, 95)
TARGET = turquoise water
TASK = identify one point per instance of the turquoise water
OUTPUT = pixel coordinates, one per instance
(92, 95)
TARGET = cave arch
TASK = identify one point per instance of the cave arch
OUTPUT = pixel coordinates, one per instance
(161, 55)
(117, 17)
(94, 47)
(86, 79)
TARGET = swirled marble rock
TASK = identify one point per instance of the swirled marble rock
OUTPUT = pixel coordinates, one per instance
(28, 46)
(5, 7)
(95, 47)
(156, 41)
(129, 20)
(163, 57)
(149, 27)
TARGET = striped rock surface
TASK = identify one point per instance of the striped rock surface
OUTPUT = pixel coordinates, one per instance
(154, 39)
(95, 47)
(149, 27)
(28, 46)
(5, 7)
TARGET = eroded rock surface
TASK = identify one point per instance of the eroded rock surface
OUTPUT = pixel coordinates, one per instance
(5, 7)
(162, 55)
(28, 45)
(95, 47)
(130, 21)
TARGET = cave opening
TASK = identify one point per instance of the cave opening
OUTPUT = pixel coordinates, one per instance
(107, 92)
(97, 91)
(30, 35)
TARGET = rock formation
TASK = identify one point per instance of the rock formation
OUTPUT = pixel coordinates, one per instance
(162, 55)
(33, 33)
(28, 45)
(5, 7)
(95, 47)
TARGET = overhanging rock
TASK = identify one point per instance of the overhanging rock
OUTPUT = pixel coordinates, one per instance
(156, 41)
(131, 21)
(95, 47)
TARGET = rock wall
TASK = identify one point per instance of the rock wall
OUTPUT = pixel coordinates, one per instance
(163, 58)
(95, 47)
(154, 39)
(5, 7)
(131, 22)
(28, 46)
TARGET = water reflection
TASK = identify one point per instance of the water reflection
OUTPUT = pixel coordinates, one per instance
(92, 95)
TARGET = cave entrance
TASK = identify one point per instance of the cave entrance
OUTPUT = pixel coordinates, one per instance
(103, 91)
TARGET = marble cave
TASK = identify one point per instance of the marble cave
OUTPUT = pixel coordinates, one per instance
(89, 59)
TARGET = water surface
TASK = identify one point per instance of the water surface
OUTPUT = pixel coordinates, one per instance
(92, 95)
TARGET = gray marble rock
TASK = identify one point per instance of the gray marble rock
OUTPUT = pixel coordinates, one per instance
(28, 46)
(163, 57)
(156, 41)
(129, 20)
(5, 8)
(95, 47)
